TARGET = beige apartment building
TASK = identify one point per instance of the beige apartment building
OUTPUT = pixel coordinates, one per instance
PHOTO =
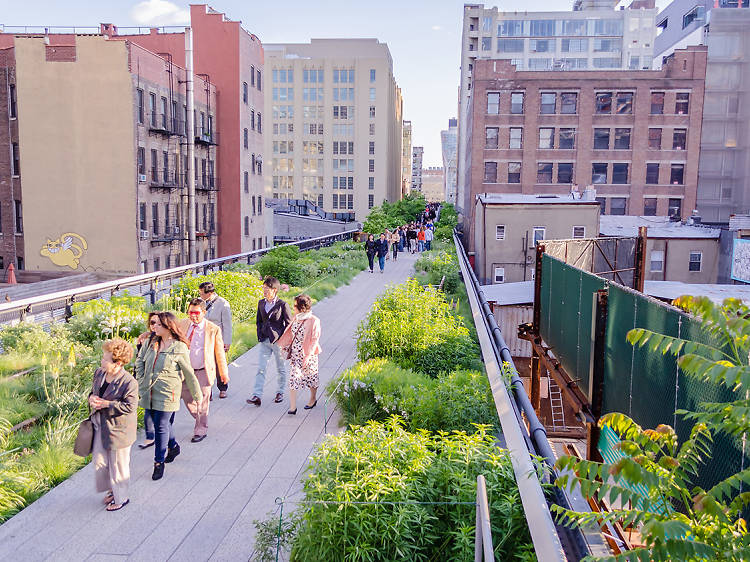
(335, 125)
(433, 184)
(508, 226)
(406, 158)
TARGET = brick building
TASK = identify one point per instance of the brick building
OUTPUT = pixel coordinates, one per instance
(634, 136)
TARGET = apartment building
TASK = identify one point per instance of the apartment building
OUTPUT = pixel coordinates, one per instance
(98, 175)
(594, 35)
(433, 184)
(448, 142)
(417, 156)
(406, 158)
(335, 124)
(633, 136)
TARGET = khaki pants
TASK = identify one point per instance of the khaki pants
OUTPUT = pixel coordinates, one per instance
(111, 466)
(199, 410)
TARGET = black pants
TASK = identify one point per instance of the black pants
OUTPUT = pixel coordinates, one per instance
(394, 247)
(371, 259)
(222, 386)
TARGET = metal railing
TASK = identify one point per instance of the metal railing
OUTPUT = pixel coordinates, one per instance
(56, 307)
(483, 528)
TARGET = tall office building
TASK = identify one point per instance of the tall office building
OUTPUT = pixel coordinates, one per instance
(593, 36)
(417, 154)
(406, 158)
(449, 140)
(433, 184)
(335, 124)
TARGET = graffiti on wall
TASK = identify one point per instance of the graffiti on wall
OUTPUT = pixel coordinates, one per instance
(65, 251)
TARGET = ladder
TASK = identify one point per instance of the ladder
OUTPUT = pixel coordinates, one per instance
(556, 405)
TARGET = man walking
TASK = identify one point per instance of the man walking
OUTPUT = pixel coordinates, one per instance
(382, 249)
(272, 318)
(218, 312)
(428, 236)
(207, 358)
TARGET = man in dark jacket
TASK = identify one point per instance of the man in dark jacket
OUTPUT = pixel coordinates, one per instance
(381, 247)
(272, 318)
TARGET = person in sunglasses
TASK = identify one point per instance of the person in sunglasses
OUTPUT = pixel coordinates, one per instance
(143, 341)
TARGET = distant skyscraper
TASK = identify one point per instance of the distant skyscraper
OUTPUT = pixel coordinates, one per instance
(416, 168)
(449, 139)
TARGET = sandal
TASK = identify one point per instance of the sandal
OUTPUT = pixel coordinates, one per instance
(113, 507)
(109, 498)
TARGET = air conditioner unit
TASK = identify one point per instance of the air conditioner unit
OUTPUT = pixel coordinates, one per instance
(142, 178)
(176, 229)
(144, 234)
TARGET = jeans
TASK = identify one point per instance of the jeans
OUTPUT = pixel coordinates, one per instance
(266, 350)
(394, 247)
(164, 433)
(371, 260)
(148, 424)
(428, 245)
(381, 262)
(420, 245)
(401, 244)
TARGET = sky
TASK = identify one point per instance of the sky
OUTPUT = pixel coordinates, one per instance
(424, 37)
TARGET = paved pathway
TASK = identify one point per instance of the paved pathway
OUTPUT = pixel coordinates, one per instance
(204, 506)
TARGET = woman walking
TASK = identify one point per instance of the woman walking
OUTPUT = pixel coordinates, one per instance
(145, 340)
(420, 239)
(411, 237)
(114, 402)
(382, 248)
(395, 238)
(301, 342)
(160, 371)
(371, 247)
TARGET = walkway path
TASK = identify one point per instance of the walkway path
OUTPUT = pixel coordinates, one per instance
(204, 506)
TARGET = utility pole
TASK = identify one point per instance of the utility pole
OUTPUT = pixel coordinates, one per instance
(190, 126)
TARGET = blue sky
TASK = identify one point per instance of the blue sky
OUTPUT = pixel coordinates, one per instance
(424, 37)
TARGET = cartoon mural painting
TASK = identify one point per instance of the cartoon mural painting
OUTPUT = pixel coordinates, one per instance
(65, 251)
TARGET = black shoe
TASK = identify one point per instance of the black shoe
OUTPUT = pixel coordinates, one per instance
(254, 400)
(308, 407)
(197, 439)
(279, 398)
(158, 471)
(292, 412)
(172, 454)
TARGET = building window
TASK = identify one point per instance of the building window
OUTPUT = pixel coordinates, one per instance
(548, 103)
(544, 172)
(15, 165)
(490, 137)
(152, 108)
(253, 204)
(371, 183)
(372, 75)
(246, 222)
(682, 103)
(257, 79)
(516, 103)
(510, 45)
(371, 165)
(674, 207)
(654, 139)
(499, 275)
(622, 139)
(516, 138)
(657, 103)
(539, 233)
(679, 139)
(624, 103)
(500, 232)
(514, 172)
(677, 174)
(260, 204)
(18, 215)
(490, 172)
(13, 103)
(652, 173)
(259, 123)
(140, 103)
(649, 207)
(493, 103)
(566, 138)
(252, 75)
(695, 261)
(546, 138)
(370, 201)
(372, 128)
(599, 173)
(371, 148)
(142, 217)
(155, 218)
(617, 205)
(619, 172)
(602, 205)
(579, 232)
(568, 103)
(656, 261)
(372, 112)
(157, 265)
(565, 172)
(601, 139)
(246, 181)
(604, 102)
(244, 92)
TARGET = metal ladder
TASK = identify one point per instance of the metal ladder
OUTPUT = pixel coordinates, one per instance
(556, 405)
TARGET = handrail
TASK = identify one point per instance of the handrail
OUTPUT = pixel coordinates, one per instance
(483, 528)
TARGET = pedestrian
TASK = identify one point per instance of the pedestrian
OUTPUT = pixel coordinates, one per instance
(402, 238)
(208, 359)
(411, 237)
(142, 342)
(301, 344)
(371, 248)
(219, 312)
(160, 371)
(114, 403)
(388, 239)
(271, 319)
(395, 237)
(428, 236)
(420, 239)
(382, 249)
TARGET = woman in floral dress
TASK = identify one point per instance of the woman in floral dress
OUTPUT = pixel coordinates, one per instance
(301, 342)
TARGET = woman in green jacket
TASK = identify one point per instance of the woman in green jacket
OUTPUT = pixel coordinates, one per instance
(160, 370)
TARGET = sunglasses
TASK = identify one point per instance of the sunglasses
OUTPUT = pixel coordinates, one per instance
(153, 322)
(195, 313)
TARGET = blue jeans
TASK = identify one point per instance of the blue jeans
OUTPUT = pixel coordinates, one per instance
(381, 262)
(148, 424)
(428, 245)
(164, 433)
(420, 245)
(282, 367)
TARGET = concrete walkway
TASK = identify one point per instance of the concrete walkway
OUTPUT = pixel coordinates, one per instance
(204, 506)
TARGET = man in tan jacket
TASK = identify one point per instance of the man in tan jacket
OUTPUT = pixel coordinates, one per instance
(207, 358)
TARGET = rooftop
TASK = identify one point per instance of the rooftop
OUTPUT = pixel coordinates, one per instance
(658, 227)
(524, 199)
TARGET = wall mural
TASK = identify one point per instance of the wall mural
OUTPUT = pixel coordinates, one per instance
(66, 251)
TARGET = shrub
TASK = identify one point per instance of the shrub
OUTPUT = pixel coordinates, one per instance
(391, 215)
(123, 317)
(444, 233)
(382, 462)
(241, 290)
(440, 266)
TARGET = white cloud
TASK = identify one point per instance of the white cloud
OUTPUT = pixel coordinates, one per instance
(159, 12)
(437, 27)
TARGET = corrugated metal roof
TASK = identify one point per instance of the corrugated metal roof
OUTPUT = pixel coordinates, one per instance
(739, 222)
(658, 227)
(503, 294)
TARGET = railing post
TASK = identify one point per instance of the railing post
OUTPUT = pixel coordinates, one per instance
(483, 532)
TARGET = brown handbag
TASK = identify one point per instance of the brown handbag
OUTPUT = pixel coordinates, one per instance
(85, 438)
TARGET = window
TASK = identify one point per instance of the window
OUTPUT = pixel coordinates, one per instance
(516, 103)
(620, 172)
(154, 164)
(661, 26)
(142, 217)
(695, 261)
(257, 78)
(516, 137)
(493, 103)
(372, 112)
(490, 137)
(18, 215)
(548, 103)
(649, 207)
(141, 108)
(622, 139)
(565, 172)
(499, 275)
(15, 165)
(657, 103)
(260, 204)
(510, 45)
(546, 137)
(674, 207)
(677, 174)
(601, 139)
(656, 261)
(544, 172)
(604, 102)
(252, 120)
(617, 205)
(500, 232)
(152, 108)
(370, 201)
(652, 173)
(245, 142)
(539, 233)
(654, 139)
(486, 43)
(569, 103)
(370, 166)
(155, 218)
(372, 75)
(247, 225)
(371, 183)
(696, 14)
(371, 147)
(372, 94)
(260, 124)
(510, 28)
(579, 232)
(575, 45)
(679, 139)
(599, 173)
(624, 103)
(514, 172)
(682, 103)
(142, 161)
(14, 112)
(566, 138)
(490, 172)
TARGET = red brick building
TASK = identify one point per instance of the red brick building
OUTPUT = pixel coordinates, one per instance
(633, 136)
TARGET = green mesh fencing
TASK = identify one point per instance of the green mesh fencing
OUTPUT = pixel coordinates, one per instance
(568, 307)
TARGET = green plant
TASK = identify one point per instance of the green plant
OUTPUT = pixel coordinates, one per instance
(242, 291)
(274, 534)
(390, 215)
(244, 338)
(120, 317)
